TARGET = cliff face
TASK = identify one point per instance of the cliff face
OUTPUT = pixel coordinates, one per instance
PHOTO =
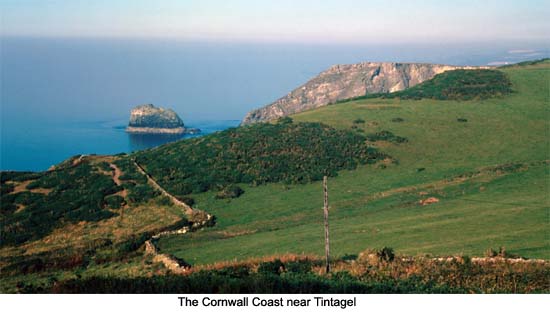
(150, 119)
(347, 81)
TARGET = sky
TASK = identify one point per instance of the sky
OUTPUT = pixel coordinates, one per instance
(330, 21)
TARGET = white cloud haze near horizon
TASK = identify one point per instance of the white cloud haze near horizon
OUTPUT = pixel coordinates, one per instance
(344, 21)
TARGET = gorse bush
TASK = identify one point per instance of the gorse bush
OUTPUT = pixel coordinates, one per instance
(285, 120)
(385, 254)
(274, 267)
(231, 191)
(256, 154)
(114, 201)
(386, 136)
(141, 193)
(6, 188)
(189, 201)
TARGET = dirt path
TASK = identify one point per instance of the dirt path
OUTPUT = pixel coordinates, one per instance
(116, 178)
(78, 160)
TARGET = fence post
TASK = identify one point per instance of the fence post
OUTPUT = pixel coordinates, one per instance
(325, 210)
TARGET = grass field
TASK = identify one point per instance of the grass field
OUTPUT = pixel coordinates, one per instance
(484, 202)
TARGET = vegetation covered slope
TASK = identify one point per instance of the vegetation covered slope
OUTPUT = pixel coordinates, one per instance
(51, 199)
(489, 172)
(257, 154)
(83, 205)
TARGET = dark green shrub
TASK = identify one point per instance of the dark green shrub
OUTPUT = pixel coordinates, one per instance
(7, 209)
(141, 193)
(24, 176)
(88, 213)
(274, 267)
(189, 201)
(500, 253)
(285, 120)
(397, 119)
(114, 201)
(6, 188)
(235, 271)
(386, 136)
(164, 200)
(33, 185)
(349, 257)
(358, 121)
(385, 254)
(462, 120)
(133, 243)
(298, 266)
(105, 166)
(231, 191)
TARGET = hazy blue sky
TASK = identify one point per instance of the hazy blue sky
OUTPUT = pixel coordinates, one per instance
(282, 20)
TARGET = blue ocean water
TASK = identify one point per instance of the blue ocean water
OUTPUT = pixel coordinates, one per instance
(38, 146)
(60, 96)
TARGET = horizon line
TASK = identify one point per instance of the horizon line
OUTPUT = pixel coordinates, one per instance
(283, 41)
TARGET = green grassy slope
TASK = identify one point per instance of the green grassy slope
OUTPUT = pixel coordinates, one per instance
(480, 206)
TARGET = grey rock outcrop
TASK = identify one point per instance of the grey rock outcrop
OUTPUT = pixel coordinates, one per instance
(151, 119)
(341, 82)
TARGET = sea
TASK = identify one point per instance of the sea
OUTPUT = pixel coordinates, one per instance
(65, 96)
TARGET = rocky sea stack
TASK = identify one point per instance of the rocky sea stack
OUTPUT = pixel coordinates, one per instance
(151, 119)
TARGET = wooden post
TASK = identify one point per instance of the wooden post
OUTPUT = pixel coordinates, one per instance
(325, 209)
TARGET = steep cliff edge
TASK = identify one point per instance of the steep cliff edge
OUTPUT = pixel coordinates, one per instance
(151, 119)
(347, 81)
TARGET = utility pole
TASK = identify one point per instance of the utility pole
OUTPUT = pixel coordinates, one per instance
(325, 209)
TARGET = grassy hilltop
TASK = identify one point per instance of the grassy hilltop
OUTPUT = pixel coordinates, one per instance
(454, 166)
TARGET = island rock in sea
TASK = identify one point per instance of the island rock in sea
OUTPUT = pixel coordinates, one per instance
(151, 119)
